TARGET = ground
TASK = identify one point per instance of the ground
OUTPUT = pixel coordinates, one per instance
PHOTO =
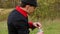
(49, 27)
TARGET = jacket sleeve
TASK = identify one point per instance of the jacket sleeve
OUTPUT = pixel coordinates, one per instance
(31, 25)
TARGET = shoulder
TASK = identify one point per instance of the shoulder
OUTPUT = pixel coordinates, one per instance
(15, 15)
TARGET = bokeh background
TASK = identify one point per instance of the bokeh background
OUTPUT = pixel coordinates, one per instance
(47, 12)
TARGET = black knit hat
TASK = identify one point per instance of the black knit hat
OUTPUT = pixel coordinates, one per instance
(30, 2)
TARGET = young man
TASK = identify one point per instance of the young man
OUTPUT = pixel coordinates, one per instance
(18, 18)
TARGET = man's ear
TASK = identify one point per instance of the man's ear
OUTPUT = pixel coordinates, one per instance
(20, 2)
(27, 7)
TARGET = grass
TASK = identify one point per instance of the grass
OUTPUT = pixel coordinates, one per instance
(4, 13)
(49, 27)
(52, 27)
(3, 27)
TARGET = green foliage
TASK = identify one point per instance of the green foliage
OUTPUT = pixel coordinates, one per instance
(4, 14)
(8, 3)
(49, 9)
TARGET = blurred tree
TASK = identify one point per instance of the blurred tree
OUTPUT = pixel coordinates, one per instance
(49, 9)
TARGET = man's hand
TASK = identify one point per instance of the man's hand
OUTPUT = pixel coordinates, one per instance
(37, 24)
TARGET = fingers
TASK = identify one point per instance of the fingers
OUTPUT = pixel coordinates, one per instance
(37, 25)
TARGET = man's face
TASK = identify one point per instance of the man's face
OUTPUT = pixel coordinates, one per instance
(31, 9)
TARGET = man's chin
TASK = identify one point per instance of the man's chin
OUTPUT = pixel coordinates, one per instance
(30, 13)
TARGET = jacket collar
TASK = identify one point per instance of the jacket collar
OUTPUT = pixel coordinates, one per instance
(24, 13)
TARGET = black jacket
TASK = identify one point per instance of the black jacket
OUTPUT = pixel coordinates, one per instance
(18, 22)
